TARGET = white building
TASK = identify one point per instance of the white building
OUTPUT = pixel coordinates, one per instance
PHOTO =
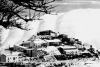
(69, 49)
(10, 57)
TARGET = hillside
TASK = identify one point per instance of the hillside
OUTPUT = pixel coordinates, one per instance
(82, 24)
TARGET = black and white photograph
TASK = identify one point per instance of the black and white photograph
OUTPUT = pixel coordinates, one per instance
(49, 33)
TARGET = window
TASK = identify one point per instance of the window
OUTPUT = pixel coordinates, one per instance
(8, 59)
(13, 58)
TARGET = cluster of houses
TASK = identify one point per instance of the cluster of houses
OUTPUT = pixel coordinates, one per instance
(47, 46)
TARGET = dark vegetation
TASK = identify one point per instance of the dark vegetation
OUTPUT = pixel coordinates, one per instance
(11, 9)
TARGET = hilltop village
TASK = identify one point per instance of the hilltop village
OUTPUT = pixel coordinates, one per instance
(48, 47)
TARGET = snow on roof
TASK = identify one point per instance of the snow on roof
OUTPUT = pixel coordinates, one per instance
(30, 49)
(40, 41)
(21, 46)
(55, 40)
(46, 41)
(16, 53)
(8, 53)
(52, 49)
(5, 52)
(69, 47)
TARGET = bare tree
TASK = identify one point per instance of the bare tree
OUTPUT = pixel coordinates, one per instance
(9, 9)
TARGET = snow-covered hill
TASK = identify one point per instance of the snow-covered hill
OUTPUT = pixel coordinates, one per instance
(83, 24)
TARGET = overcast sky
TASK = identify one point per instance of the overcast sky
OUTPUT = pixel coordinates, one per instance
(67, 5)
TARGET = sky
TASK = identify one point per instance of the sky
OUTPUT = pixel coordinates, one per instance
(68, 5)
